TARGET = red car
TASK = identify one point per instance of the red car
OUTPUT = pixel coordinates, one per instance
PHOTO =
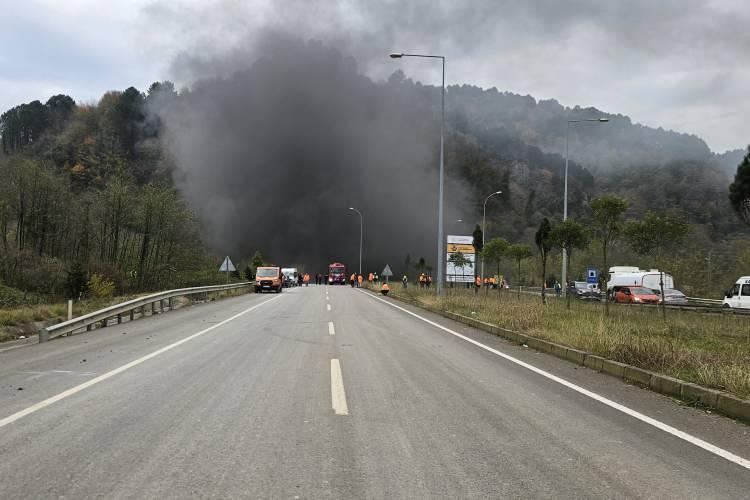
(636, 295)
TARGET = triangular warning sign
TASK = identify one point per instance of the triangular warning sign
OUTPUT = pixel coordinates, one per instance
(227, 265)
(387, 271)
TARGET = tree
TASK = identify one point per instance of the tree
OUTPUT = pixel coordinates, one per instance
(257, 261)
(739, 190)
(544, 244)
(569, 235)
(477, 237)
(420, 265)
(76, 281)
(236, 274)
(459, 261)
(493, 252)
(519, 253)
(248, 273)
(655, 235)
(607, 211)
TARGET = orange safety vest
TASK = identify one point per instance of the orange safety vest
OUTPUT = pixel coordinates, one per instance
(306, 278)
(371, 277)
(359, 278)
(479, 281)
(385, 287)
(351, 278)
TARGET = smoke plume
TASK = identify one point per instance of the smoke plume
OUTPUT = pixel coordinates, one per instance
(272, 155)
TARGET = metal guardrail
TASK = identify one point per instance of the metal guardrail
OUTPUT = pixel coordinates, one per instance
(705, 302)
(129, 307)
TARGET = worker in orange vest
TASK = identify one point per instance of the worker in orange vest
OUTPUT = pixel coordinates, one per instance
(360, 279)
(306, 279)
(353, 279)
(371, 278)
(385, 289)
(478, 283)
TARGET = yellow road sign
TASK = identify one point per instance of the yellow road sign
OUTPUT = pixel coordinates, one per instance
(458, 247)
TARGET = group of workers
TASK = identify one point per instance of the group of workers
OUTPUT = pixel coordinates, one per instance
(490, 281)
(356, 280)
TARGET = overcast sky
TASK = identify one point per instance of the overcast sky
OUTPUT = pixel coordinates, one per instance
(680, 64)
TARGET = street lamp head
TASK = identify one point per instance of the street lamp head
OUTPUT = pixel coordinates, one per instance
(604, 120)
(498, 192)
(351, 208)
(396, 55)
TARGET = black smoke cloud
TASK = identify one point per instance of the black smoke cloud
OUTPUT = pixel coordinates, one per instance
(272, 156)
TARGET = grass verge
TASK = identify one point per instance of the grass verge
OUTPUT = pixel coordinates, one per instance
(708, 349)
(19, 320)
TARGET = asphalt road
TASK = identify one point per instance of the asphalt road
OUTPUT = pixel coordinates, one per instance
(317, 394)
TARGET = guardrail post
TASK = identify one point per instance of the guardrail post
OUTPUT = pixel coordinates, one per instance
(132, 314)
(161, 305)
(119, 319)
(170, 303)
(153, 308)
(43, 335)
(88, 327)
(104, 323)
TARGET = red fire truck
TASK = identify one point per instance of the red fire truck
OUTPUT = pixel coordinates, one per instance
(337, 274)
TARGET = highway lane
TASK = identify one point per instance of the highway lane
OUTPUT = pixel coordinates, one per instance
(247, 410)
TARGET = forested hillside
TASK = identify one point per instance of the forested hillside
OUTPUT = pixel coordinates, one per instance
(87, 191)
(97, 189)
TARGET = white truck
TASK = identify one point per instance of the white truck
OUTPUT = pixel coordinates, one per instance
(738, 297)
(632, 276)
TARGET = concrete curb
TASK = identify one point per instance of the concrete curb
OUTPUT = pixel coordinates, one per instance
(725, 403)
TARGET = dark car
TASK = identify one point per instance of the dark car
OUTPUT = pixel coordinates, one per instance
(584, 291)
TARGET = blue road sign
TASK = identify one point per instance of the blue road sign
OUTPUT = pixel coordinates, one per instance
(592, 275)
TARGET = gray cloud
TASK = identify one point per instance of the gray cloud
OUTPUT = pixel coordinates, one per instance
(675, 63)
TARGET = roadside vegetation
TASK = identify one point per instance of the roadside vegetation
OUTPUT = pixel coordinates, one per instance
(709, 349)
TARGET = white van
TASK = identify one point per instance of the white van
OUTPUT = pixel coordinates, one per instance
(738, 297)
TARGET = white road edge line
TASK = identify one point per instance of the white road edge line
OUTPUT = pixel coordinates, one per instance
(338, 395)
(101, 378)
(331, 329)
(328, 306)
(743, 462)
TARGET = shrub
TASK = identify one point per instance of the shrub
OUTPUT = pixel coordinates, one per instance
(100, 287)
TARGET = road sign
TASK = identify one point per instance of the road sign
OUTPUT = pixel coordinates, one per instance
(387, 271)
(592, 275)
(227, 265)
(463, 244)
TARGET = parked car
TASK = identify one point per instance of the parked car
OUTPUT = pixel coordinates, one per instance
(674, 297)
(635, 295)
(584, 291)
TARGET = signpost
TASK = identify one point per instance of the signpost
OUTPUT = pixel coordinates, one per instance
(227, 267)
(592, 275)
(387, 272)
(465, 245)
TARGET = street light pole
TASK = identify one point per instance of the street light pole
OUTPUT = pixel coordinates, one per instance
(484, 216)
(565, 195)
(361, 225)
(440, 242)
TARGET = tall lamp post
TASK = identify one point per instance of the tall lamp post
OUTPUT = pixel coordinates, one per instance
(484, 217)
(441, 252)
(565, 198)
(361, 222)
